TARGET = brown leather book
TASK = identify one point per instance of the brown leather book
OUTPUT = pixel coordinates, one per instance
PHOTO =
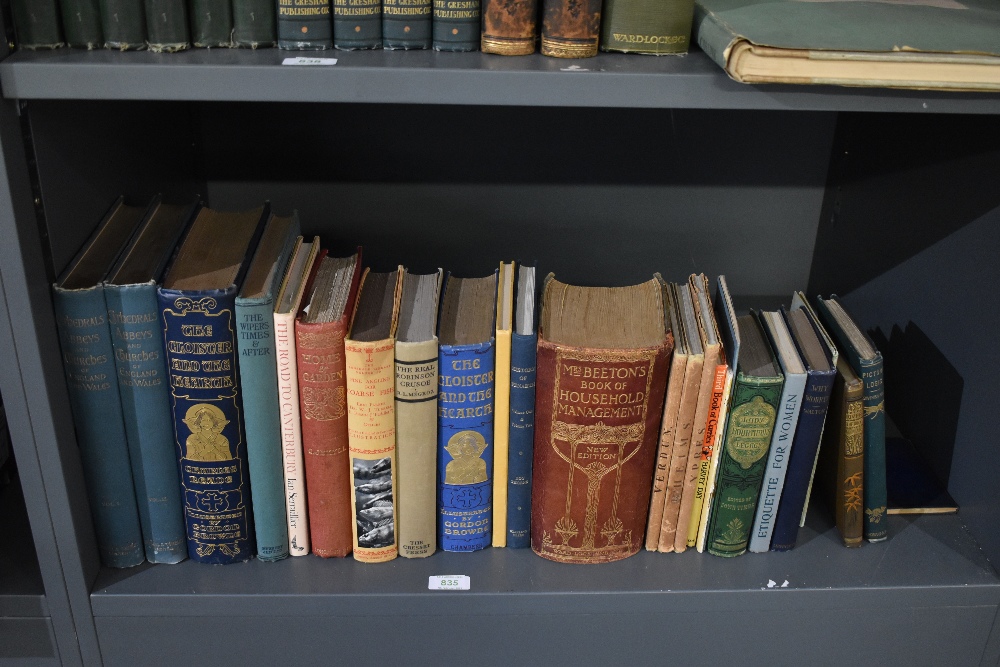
(319, 337)
(841, 461)
(599, 392)
(509, 27)
(570, 28)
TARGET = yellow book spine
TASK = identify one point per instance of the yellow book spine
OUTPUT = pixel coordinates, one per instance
(501, 437)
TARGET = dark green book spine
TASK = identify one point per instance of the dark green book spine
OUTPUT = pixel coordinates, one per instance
(357, 24)
(456, 25)
(37, 23)
(754, 406)
(124, 24)
(253, 23)
(646, 26)
(211, 23)
(406, 24)
(82, 23)
(304, 25)
(167, 25)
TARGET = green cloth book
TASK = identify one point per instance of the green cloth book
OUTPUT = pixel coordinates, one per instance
(929, 44)
(654, 27)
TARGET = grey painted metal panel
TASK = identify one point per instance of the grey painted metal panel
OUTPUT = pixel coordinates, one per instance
(428, 77)
(22, 592)
(25, 638)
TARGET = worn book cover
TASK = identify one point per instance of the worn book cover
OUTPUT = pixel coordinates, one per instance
(82, 23)
(253, 23)
(167, 26)
(406, 24)
(645, 26)
(305, 25)
(841, 469)
(570, 28)
(599, 399)
(455, 25)
(123, 23)
(509, 27)
(211, 23)
(37, 24)
(357, 24)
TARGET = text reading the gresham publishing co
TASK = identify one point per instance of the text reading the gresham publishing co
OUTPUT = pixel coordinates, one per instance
(602, 391)
(303, 7)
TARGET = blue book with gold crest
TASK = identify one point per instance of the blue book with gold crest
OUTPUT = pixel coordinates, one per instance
(197, 310)
(466, 363)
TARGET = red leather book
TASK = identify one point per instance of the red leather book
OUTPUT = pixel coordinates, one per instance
(599, 399)
(319, 337)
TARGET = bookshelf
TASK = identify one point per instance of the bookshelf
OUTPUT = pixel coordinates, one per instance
(640, 164)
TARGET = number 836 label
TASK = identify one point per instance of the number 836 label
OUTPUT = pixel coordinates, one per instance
(449, 582)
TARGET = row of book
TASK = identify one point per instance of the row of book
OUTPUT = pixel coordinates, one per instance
(506, 27)
(236, 391)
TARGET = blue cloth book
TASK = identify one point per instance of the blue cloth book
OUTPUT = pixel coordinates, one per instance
(88, 358)
(259, 380)
(524, 343)
(197, 302)
(466, 363)
(130, 291)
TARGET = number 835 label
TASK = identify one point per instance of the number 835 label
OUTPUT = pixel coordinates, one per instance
(449, 582)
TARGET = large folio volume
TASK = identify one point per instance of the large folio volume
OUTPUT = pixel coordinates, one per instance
(599, 398)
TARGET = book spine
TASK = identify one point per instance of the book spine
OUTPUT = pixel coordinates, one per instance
(82, 23)
(501, 436)
(841, 469)
(815, 402)
(253, 23)
(259, 378)
(679, 453)
(200, 342)
(123, 23)
(323, 407)
(713, 470)
(522, 434)
(371, 428)
(657, 502)
(37, 23)
(416, 447)
(708, 372)
(211, 23)
(406, 24)
(646, 26)
(876, 524)
(88, 358)
(741, 468)
(167, 26)
(705, 454)
(142, 385)
(296, 512)
(596, 450)
(456, 25)
(304, 25)
(570, 28)
(465, 452)
(777, 462)
(509, 27)
(712, 35)
(357, 24)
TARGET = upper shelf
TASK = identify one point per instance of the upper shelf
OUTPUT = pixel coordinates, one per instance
(429, 77)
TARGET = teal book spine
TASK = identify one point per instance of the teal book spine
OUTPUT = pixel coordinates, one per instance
(253, 23)
(124, 24)
(406, 24)
(88, 358)
(142, 386)
(37, 24)
(82, 23)
(357, 24)
(259, 376)
(456, 25)
(167, 26)
(211, 23)
(304, 25)
(210, 436)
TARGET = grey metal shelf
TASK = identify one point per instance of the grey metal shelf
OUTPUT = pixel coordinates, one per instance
(22, 594)
(428, 77)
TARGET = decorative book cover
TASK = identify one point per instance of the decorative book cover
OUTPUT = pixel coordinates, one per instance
(357, 24)
(259, 379)
(570, 28)
(371, 415)
(167, 26)
(510, 27)
(501, 399)
(81, 21)
(841, 466)
(197, 303)
(123, 23)
(88, 359)
(866, 361)
(305, 25)
(785, 426)
(319, 341)
(752, 415)
(37, 24)
(295, 284)
(253, 23)
(211, 23)
(130, 291)
(406, 24)
(598, 406)
(821, 372)
(466, 366)
(455, 25)
(416, 415)
(524, 343)
(642, 26)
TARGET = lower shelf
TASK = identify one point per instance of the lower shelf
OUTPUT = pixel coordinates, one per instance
(928, 594)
